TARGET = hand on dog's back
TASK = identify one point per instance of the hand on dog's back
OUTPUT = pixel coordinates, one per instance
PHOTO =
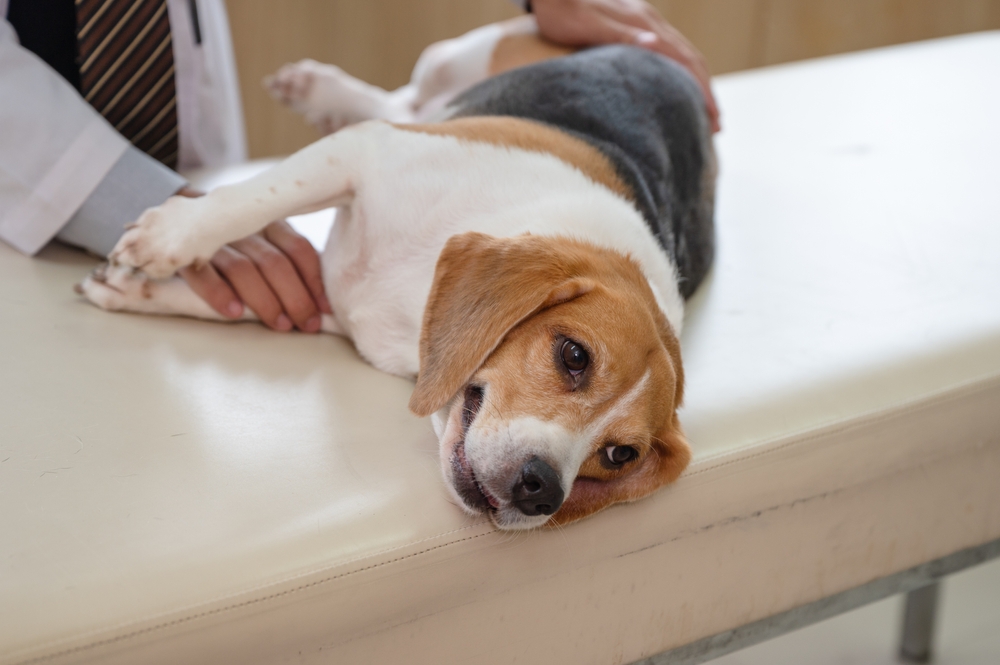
(594, 22)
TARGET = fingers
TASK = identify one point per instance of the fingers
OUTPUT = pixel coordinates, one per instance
(277, 274)
(249, 284)
(274, 283)
(213, 289)
(305, 258)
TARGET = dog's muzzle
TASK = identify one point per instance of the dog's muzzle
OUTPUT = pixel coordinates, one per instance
(535, 490)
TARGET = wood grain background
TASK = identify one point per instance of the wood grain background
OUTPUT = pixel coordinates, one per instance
(379, 40)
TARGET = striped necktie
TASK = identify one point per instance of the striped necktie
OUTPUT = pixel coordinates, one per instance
(127, 70)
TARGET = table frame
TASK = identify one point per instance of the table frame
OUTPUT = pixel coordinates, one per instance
(920, 583)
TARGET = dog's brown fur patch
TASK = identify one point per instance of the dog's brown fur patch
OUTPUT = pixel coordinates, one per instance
(534, 137)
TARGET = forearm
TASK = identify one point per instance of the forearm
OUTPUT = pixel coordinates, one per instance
(62, 163)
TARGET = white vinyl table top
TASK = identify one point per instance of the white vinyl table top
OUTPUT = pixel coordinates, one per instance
(164, 480)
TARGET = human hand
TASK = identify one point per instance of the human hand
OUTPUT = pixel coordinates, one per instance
(276, 273)
(592, 22)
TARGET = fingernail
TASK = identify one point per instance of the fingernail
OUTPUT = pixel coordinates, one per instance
(235, 308)
(283, 323)
(313, 324)
(324, 304)
(645, 38)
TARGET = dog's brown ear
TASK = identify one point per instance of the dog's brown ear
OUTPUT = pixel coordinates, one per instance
(670, 443)
(673, 453)
(483, 287)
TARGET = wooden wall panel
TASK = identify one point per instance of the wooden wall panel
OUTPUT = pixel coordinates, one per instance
(728, 32)
(379, 40)
(796, 29)
(376, 40)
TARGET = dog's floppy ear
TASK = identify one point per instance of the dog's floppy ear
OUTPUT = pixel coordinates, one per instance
(670, 443)
(483, 287)
(673, 453)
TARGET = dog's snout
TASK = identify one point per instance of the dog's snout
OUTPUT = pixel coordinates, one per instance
(537, 490)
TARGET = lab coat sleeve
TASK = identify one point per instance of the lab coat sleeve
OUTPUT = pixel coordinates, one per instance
(59, 157)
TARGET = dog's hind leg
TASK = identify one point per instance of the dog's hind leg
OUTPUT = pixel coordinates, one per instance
(449, 68)
(330, 98)
(185, 231)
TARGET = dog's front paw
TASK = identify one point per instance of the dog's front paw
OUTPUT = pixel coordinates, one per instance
(115, 287)
(163, 240)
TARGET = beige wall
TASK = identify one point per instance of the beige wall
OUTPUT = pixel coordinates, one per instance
(379, 40)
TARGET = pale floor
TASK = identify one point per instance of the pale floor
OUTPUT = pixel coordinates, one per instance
(968, 630)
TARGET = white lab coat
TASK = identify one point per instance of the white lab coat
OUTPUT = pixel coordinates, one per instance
(64, 170)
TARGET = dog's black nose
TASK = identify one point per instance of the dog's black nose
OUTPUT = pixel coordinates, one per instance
(537, 491)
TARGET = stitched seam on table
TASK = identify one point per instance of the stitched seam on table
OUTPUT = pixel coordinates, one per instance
(835, 427)
(292, 578)
(979, 385)
(744, 517)
(303, 574)
(245, 603)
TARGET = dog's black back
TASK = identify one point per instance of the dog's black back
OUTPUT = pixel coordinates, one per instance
(647, 115)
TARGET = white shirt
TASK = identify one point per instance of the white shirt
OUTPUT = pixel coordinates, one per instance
(63, 168)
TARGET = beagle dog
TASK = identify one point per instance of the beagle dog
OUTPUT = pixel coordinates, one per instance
(517, 229)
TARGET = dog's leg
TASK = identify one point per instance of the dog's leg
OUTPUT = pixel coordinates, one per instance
(449, 68)
(330, 98)
(185, 231)
(124, 289)
(120, 288)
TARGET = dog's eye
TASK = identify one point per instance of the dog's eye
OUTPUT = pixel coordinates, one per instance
(574, 357)
(618, 455)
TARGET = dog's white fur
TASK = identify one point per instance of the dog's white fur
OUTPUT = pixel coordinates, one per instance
(400, 195)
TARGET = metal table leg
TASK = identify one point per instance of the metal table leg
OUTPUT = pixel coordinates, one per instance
(913, 582)
(916, 645)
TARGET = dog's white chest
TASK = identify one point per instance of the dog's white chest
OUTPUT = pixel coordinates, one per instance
(377, 289)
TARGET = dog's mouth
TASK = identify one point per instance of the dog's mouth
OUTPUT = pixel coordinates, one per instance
(473, 494)
(473, 401)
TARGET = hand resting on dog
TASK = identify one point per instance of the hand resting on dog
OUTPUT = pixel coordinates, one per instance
(595, 22)
(273, 272)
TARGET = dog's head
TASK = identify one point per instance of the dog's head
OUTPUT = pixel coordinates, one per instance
(553, 376)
